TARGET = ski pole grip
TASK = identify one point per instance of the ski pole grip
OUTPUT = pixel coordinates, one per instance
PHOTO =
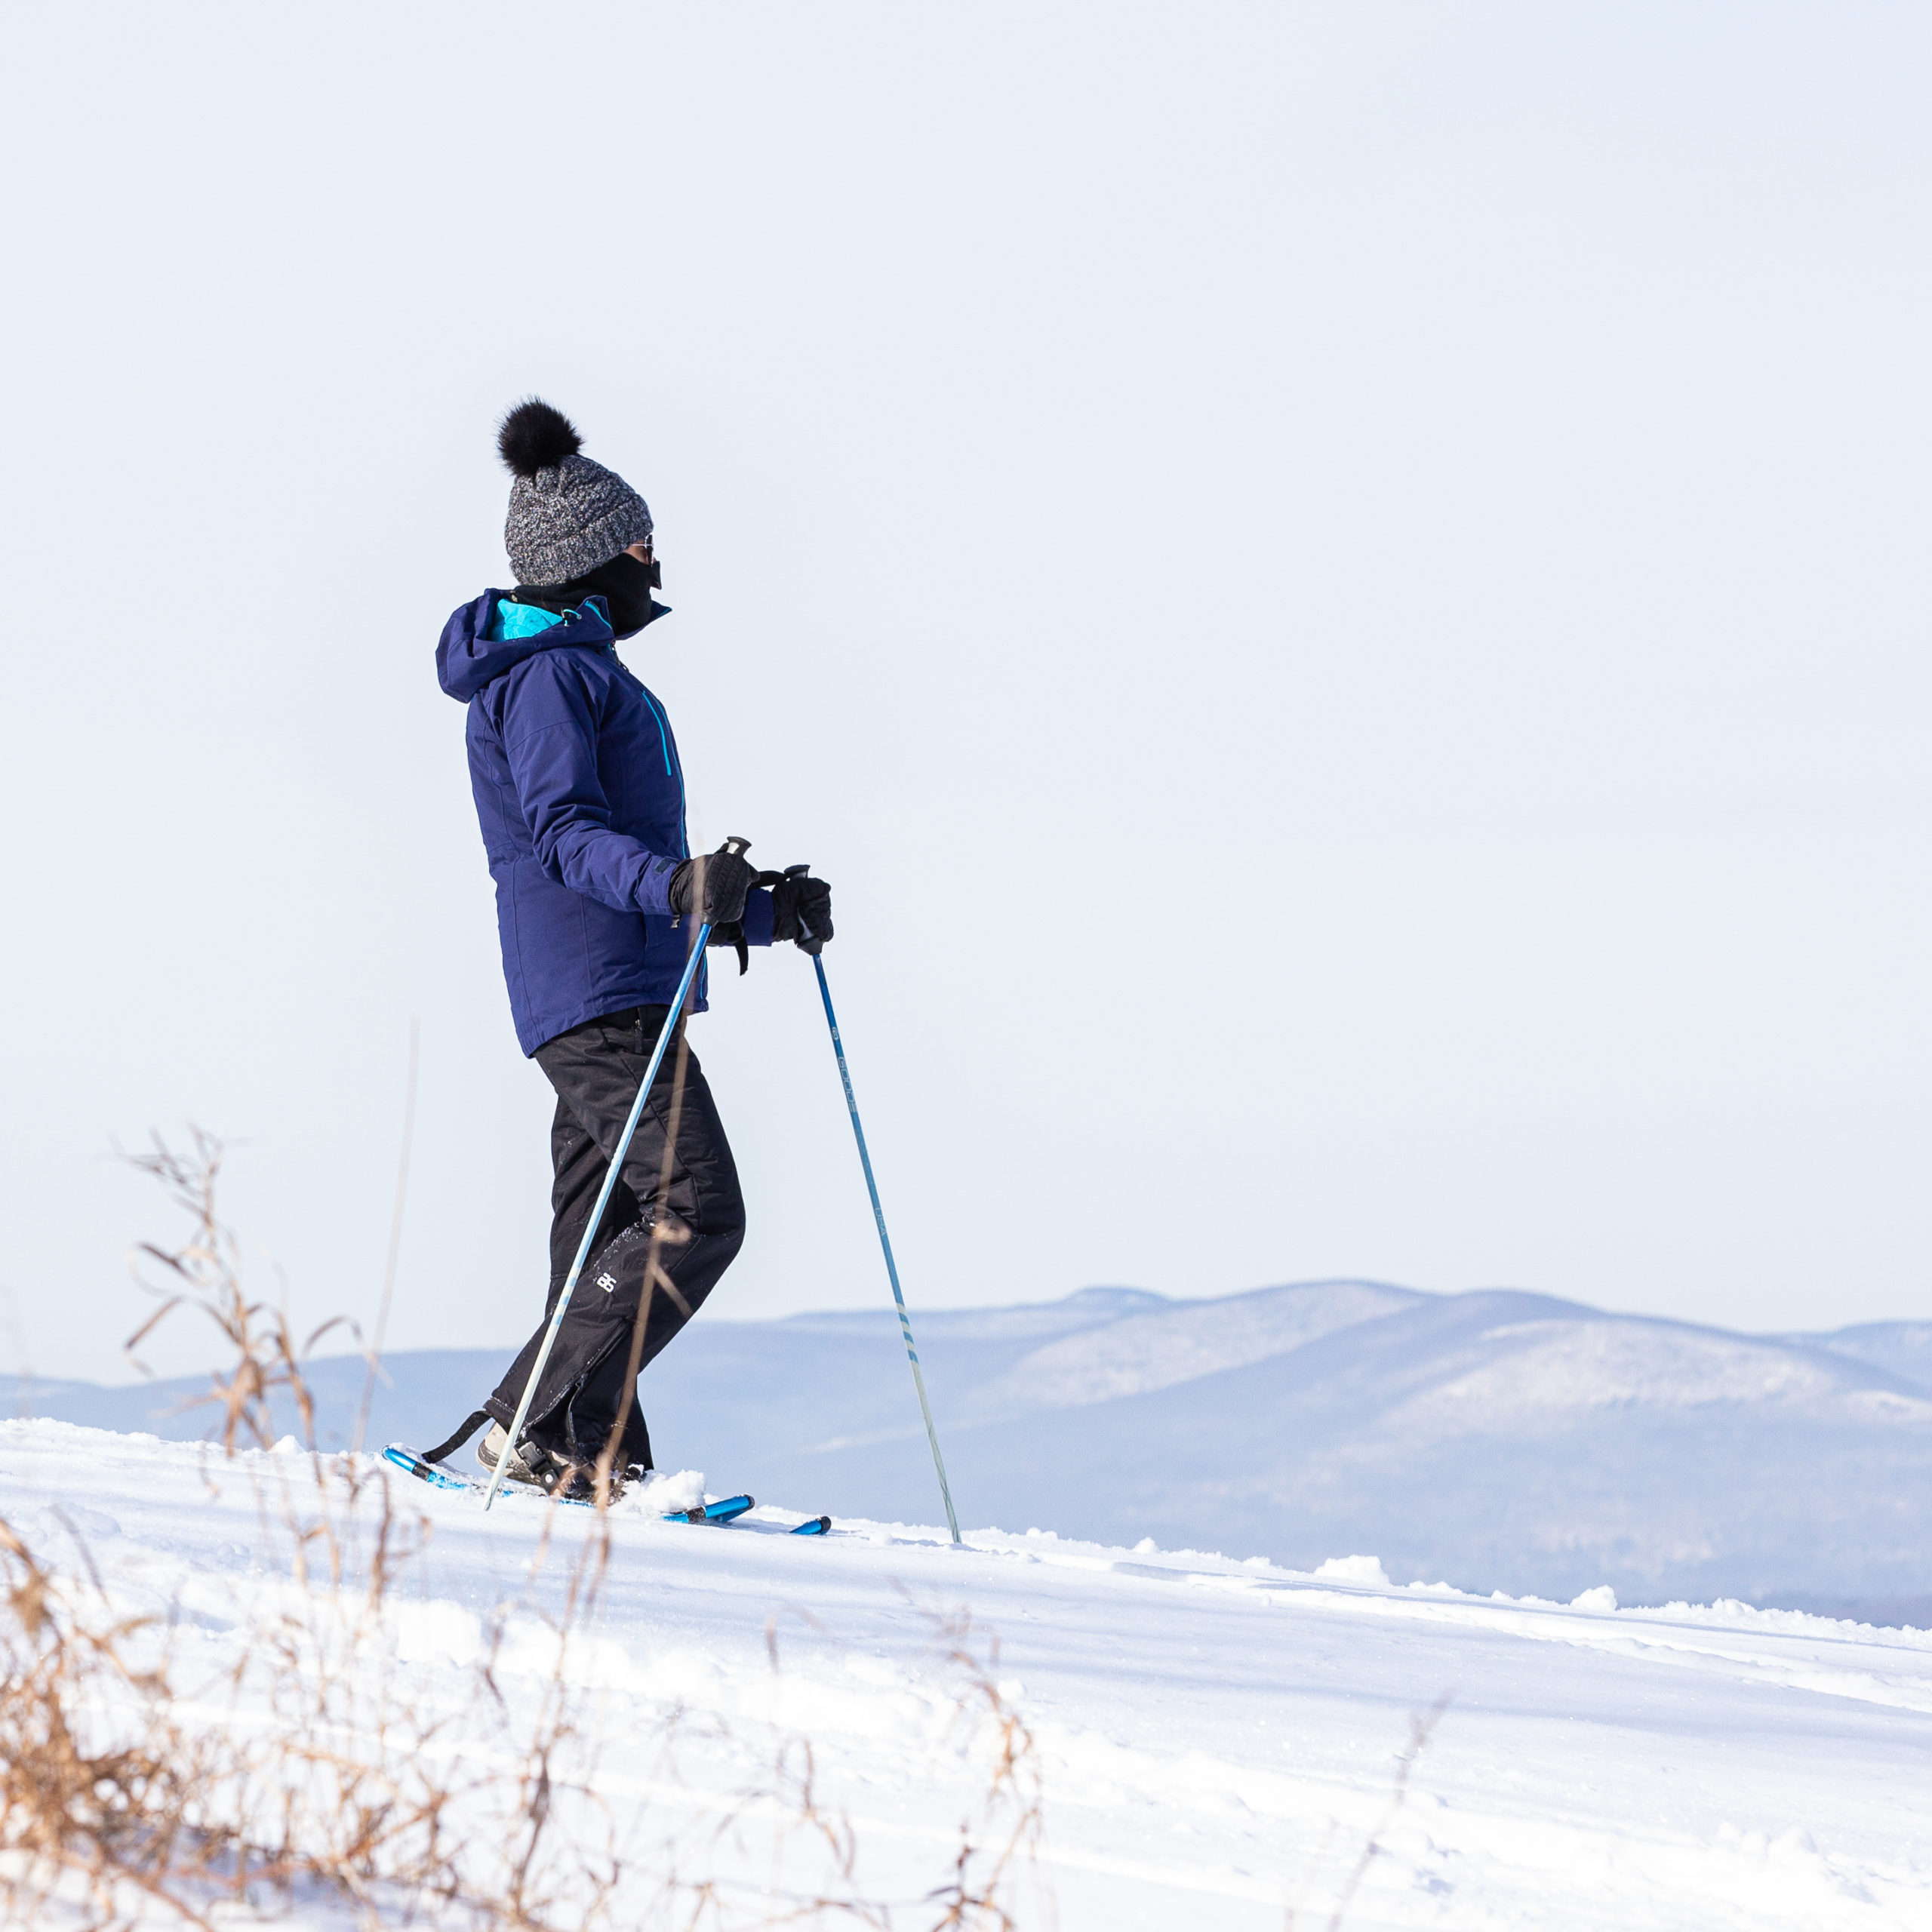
(801, 871)
(732, 848)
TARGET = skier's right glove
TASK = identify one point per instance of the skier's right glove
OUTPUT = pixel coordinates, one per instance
(801, 910)
(713, 886)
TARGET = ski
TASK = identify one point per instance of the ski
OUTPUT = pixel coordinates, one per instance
(727, 1509)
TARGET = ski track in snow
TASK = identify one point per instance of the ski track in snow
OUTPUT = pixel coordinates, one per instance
(1216, 1738)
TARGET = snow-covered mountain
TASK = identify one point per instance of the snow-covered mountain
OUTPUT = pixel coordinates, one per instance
(1494, 1440)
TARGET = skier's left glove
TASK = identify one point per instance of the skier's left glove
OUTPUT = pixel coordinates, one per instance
(801, 910)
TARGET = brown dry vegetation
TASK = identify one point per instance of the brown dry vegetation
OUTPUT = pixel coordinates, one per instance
(312, 1771)
(311, 1767)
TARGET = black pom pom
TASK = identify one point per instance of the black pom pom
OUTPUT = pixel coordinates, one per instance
(534, 436)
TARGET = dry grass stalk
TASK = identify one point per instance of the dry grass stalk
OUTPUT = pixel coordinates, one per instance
(1009, 1823)
(1421, 1727)
(999, 1839)
(204, 1272)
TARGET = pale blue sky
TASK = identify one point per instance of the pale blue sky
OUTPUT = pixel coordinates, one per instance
(1340, 592)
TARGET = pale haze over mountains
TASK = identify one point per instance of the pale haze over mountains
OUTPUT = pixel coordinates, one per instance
(1492, 1440)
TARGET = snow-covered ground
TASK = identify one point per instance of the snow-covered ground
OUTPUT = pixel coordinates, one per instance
(1215, 1742)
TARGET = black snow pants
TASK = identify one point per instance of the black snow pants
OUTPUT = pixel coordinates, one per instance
(694, 1220)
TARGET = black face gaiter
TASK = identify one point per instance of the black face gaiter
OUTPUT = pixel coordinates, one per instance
(624, 584)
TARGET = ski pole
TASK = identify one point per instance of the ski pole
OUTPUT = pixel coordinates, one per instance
(885, 1242)
(611, 1174)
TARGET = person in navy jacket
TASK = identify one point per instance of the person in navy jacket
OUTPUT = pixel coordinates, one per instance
(581, 795)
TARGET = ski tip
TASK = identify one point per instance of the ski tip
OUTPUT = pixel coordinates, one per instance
(818, 1526)
(425, 1471)
(724, 1511)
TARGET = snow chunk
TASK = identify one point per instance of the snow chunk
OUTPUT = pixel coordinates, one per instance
(1146, 1546)
(661, 1493)
(93, 1525)
(1355, 1569)
(1603, 1598)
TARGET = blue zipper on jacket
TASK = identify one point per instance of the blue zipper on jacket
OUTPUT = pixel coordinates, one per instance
(663, 744)
(663, 741)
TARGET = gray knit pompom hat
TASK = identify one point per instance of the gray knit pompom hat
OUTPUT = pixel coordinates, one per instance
(568, 514)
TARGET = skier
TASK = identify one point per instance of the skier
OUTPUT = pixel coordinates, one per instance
(581, 798)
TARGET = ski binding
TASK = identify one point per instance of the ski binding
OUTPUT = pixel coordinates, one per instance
(727, 1509)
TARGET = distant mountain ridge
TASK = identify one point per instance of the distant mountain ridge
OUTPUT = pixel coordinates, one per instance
(1495, 1439)
(1904, 1347)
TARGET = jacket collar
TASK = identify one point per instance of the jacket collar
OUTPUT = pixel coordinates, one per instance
(468, 657)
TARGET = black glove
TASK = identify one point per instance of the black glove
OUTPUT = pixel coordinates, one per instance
(713, 885)
(801, 910)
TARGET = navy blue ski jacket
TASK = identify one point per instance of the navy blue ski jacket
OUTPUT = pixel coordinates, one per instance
(581, 799)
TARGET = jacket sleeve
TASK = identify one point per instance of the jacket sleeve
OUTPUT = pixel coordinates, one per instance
(549, 736)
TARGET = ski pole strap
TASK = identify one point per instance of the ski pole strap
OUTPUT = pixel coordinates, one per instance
(734, 935)
(470, 1425)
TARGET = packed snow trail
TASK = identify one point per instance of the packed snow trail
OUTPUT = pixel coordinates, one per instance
(1216, 1739)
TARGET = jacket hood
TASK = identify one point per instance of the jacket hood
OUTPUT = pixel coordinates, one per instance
(468, 658)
